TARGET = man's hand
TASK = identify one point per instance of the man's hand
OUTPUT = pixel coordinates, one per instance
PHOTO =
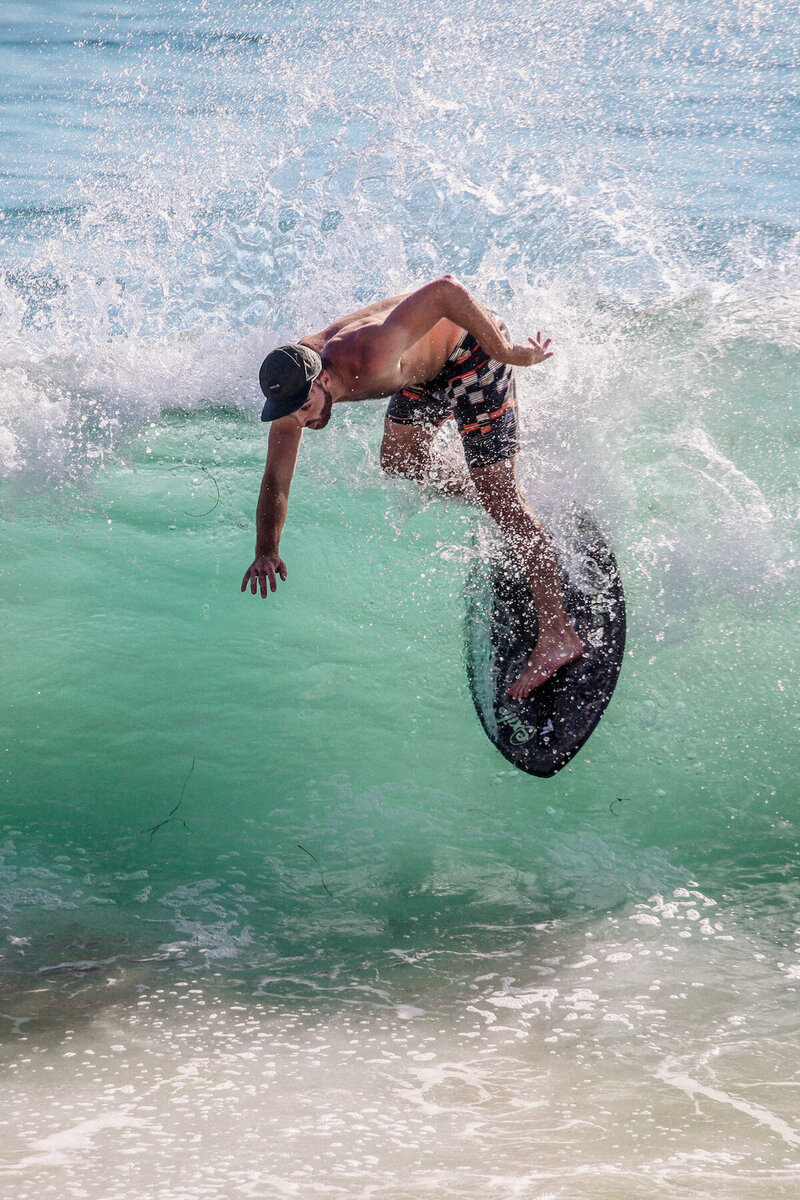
(527, 356)
(264, 567)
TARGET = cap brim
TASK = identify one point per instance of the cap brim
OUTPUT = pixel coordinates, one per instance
(282, 408)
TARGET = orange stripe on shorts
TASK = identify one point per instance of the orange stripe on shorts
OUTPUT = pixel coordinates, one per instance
(485, 424)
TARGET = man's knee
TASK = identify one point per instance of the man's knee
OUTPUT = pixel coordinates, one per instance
(499, 493)
(497, 487)
(394, 463)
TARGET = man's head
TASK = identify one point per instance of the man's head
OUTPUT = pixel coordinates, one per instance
(287, 376)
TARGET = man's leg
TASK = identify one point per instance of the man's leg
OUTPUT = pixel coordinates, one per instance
(558, 643)
(407, 450)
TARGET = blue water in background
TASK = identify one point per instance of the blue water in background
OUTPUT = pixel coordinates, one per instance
(278, 919)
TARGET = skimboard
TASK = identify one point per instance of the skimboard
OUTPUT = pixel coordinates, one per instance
(542, 733)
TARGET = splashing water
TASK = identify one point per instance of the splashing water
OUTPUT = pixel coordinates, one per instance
(275, 912)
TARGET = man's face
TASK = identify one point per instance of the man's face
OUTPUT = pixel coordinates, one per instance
(316, 412)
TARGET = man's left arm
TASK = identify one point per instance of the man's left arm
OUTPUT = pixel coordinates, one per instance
(317, 341)
(417, 314)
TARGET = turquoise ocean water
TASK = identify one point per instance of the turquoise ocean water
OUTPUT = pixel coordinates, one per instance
(277, 920)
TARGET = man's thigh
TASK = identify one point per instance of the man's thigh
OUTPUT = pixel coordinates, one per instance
(406, 449)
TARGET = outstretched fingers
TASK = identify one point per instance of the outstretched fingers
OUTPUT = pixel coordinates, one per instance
(541, 346)
(263, 576)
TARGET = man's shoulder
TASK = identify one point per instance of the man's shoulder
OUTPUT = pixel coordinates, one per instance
(315, 341)
(343, 340)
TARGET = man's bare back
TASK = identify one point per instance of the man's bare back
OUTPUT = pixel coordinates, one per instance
(346, 349)
(391, 348)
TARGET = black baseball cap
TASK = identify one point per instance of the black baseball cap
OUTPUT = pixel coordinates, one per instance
(286, 377)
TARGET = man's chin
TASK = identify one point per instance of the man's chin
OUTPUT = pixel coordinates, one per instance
(324, 419)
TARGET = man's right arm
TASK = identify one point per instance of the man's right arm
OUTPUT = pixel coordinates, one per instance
(273, 502)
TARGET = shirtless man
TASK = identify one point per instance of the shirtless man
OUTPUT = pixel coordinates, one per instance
(436, 352)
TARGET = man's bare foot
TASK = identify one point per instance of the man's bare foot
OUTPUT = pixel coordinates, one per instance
(545, 659)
